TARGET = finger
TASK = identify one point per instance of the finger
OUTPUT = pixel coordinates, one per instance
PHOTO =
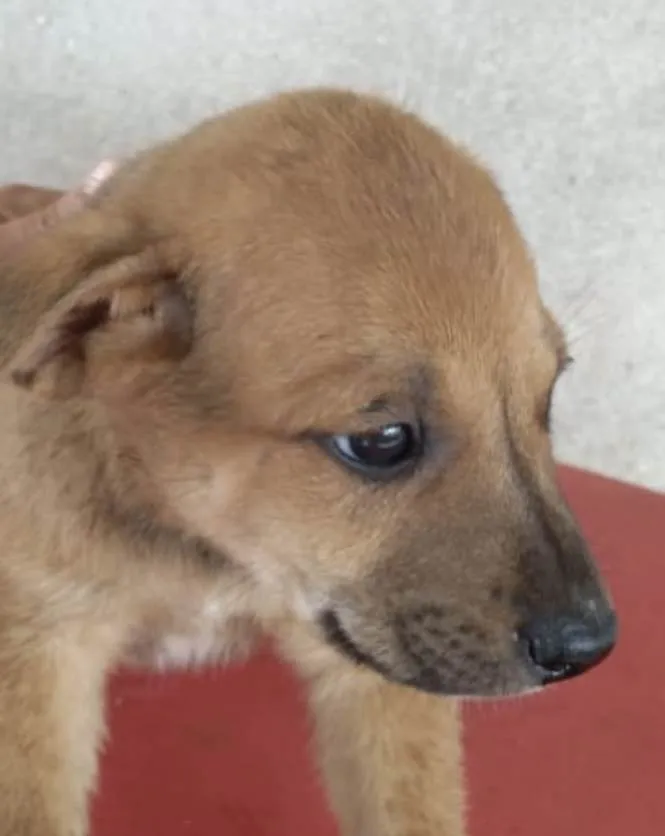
(74, 201)
(20, 229)
(98, 176)
(18, 199)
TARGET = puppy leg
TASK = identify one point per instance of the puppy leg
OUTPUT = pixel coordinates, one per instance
(390, 756)
(51, 719)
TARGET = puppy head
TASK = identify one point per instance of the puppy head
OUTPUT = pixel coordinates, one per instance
(318, 328)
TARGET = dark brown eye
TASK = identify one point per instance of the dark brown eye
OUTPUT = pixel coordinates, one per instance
(378, 452)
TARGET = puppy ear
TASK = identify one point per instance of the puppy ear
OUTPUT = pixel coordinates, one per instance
(129, 309)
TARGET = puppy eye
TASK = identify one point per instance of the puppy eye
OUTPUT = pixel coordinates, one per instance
(378, 453)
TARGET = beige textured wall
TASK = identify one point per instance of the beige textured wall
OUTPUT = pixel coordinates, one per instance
(565, 101)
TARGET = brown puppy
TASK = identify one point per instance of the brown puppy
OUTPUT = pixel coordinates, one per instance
(290, 374)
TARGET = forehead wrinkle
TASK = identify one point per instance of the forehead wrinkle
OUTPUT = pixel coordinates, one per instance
(338, 396)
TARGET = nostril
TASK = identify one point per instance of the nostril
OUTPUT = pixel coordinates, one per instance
(560, 648)
(545, 653)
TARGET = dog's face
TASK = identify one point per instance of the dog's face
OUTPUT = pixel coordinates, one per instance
(357, 406)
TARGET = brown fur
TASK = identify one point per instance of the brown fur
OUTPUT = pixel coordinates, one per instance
(173, 358)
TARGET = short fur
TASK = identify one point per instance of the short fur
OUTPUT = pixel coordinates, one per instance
(320, 262)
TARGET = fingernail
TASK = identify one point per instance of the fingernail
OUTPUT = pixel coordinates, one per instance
(101, 173)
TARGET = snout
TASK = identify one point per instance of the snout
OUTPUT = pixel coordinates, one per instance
(514, 620)
(423, 649)
(565, 646)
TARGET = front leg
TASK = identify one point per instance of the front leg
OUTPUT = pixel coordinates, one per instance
(51, 716)
(390, 755)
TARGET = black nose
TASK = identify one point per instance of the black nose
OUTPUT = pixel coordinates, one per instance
(566, 646)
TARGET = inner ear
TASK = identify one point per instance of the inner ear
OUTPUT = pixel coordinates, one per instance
(132, 306)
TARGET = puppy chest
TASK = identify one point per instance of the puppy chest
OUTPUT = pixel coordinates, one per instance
(190, 637)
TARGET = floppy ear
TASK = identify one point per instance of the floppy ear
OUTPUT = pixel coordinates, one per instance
(119, 307)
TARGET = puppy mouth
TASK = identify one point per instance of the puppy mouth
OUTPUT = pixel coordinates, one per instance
(428, 678)
(338, 637)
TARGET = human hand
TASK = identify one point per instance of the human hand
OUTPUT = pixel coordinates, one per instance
(25, 211)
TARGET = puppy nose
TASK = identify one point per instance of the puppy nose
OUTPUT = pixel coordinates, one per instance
(566, 646)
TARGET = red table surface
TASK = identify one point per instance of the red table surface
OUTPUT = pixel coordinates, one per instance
(226, 751)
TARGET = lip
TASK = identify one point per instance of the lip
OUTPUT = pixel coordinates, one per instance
(337, 636)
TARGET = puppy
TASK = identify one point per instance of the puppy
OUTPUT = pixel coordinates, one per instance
(289, 374)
